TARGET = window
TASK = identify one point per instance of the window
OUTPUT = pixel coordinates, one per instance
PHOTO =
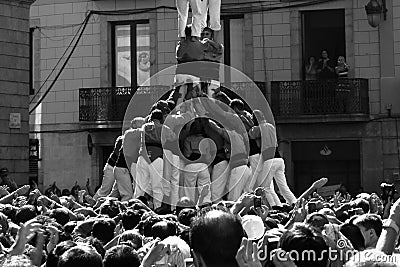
(324, 30)
(231, 36)
(33, 159)
(131, 53)
(31, 61)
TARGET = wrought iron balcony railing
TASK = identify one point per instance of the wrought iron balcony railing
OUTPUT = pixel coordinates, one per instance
(341, 96)
(110, 103)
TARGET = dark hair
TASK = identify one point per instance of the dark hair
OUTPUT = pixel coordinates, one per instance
(54, 255)
(132, 237)
(121, 256)
(209, 30)
(111, 209)
(156, 115)
(65, 192)
(370, 221)
(96, 244)
(75, 187)
(145, 226)
(237, 103)
(184, 202)
(130, 219)
(103, 230)
(360, 203)
(60, 215)
(25, 213)
(216, 236)
(164, 229)
(186, 216)
(80, 256)
(302, 237)
(353, 233)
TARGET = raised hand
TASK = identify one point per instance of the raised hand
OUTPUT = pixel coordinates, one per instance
(247, 255)
(23, 190)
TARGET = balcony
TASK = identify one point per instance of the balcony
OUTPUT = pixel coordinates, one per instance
(108, 104)
(333, 98)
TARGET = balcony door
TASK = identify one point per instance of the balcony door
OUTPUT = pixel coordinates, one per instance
(323, 30)
(131, 53)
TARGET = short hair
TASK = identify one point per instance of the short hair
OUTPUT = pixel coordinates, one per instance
(184, 202)
(216, 236)
(186, 216)
(103, 230)
(109, 208)
(209, 30)
(25, 213)
(164, 229)
(121, 256)
(54, 255)
(60, 215)
(130, 219)
(303, 237)
(370, 258)
(370, 221)
(131, 237)
(80, 256)
(353, 233)
(96, 244)
(221, 96)
(156, 115)
(360, 203)
(237, 103)
(146, 226)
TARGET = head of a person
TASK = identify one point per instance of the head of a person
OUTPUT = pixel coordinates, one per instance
(109, 208)
(60, 215)
(353, 233)
(55, 254)
(144, 58)
(370, 258)
(324, 54)
(146, 225)
(370, 226)
(207, 33)
(3, 174)
(65, 192)
(184, 202)
(157, 115)
(186, 216)
(188, 31)
(130, 219)
(103, 230)
(25, 213)
(163, 229)
(341, 60)
(96, 244)
(121, 256)
(360, 203)
(131, 237)
(317, 220)
(137, 122)
(75, 190)
(237, 105)
(80, 256)
(311, 60)
(302, 237)
(180, 251)
(215, 238)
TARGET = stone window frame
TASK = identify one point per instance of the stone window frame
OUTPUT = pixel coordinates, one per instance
(106, 49)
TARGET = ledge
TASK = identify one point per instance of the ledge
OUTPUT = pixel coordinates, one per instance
(344, 118)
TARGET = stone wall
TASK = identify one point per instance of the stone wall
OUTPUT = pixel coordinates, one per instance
(14, 87)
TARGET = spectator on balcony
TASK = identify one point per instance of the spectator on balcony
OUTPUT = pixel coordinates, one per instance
(311, 69)
(7, 181)
(325, 67)
(342, 69)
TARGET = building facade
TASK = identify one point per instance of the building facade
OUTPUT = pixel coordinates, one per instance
(351, 137)
(14, 88)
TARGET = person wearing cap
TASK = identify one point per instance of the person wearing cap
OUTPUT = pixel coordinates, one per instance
(7, 181)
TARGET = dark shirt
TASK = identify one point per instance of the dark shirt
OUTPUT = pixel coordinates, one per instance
(323, 72)
(189, 51)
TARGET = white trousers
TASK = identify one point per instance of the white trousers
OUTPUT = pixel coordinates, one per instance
(199, 10)
(255, 166)
(133, 173)
(107, 183)
(237, 180)
(149, 180)
(171, 175)
(219, 178)
(275, 168)
(196, 173)
(214, 10)
(124, 183)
